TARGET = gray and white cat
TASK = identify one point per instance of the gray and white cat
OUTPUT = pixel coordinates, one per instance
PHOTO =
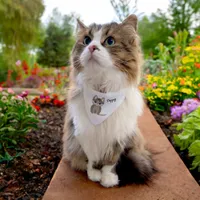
(97, 104)
(107, 58)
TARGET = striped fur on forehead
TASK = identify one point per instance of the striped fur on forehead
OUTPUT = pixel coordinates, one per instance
(93, 28)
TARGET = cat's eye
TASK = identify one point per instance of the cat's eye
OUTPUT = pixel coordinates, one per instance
(87, 40)
(110, 41)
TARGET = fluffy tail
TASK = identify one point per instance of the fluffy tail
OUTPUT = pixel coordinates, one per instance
(134, 167)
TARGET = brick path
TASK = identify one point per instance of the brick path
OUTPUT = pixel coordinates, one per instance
(173, 182)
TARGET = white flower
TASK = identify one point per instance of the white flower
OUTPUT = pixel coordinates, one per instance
(4, 98)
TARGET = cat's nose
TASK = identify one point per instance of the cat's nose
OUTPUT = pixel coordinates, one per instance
(92, 48)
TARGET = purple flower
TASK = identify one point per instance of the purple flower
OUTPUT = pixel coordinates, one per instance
(176, 112)
(188, 106)
(42, 97)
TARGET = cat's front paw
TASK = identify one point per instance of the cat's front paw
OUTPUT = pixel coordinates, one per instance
(109, 179)
(94, 175)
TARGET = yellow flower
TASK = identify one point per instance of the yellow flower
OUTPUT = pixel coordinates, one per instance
(186, 91)
(187, 59)
(189, 83)
(172, 88)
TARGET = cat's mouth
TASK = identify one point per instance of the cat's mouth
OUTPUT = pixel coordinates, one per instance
(93, 59)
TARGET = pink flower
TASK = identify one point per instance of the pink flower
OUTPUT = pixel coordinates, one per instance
(1, 89)
(154, 85)
(10, 91)
(19, 97)
(18, 63)
(24, 94)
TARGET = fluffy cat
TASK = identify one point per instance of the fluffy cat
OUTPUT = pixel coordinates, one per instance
(107, 58)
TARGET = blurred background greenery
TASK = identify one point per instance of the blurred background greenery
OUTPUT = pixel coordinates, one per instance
(24, 38)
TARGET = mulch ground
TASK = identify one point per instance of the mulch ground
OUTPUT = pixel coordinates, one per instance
(28, 176)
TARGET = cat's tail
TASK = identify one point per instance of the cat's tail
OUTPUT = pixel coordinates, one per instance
(135, 167)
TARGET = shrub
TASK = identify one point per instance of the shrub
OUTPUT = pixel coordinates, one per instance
(17, 118)
(189, 139)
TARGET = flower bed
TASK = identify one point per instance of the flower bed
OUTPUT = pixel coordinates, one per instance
(29, 157)
(175, 94)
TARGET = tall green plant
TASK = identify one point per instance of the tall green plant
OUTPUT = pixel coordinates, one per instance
(170, 55)
(17, 118)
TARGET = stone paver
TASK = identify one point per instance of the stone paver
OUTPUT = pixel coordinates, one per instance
(173, 182)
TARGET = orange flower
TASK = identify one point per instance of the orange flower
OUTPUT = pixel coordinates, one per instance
(141, 88)
(42, 101)
(182, 82)
(184, 70)
(55, 96)
(36, 107)
(48, 100)
(57, 81)
(199, 85)
(197, 65)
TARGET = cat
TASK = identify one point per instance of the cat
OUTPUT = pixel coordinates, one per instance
(107, 58)
(97, 103)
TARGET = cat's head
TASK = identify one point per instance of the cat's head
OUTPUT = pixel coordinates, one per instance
(98, 101)
(112, 47)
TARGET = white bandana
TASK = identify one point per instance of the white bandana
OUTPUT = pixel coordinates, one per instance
(100, 106)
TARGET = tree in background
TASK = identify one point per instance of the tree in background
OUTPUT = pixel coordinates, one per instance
(58, 42)
(20, 28)
(153, 30)
(124, 8)
(184, 14)
(181, 15)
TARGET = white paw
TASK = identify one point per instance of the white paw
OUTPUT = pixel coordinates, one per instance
(94, 175)
(109, 179)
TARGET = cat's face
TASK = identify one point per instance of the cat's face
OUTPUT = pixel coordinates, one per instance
(98, 101)
(108, 47)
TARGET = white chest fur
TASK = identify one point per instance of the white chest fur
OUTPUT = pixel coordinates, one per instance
(95, 139)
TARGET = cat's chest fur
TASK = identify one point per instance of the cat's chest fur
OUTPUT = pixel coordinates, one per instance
(95, 139)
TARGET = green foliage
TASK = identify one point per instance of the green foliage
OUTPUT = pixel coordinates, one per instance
(190, 137)
(153, 30)
(170, 55)
(17, 118)
(123, 8)
(19, 28)
(55, 51)
(183, 13)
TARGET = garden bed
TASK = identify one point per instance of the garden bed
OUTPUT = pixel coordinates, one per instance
(165, 121)
(28, 176)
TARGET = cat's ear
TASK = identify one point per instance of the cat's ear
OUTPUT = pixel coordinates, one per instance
(80, 25)
(131, 20)
(95, 97)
